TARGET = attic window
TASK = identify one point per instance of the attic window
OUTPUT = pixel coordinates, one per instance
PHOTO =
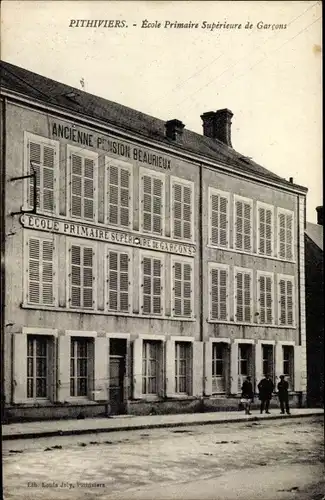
(71, 95)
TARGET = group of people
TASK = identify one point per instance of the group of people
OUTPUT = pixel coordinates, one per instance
(265, 390)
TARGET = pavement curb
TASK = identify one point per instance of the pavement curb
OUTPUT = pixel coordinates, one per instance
(76, 432)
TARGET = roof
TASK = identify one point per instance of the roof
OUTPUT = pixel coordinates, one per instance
(315, 233)
(51, 92)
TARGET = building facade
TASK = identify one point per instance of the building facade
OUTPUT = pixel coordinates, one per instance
(147, 268)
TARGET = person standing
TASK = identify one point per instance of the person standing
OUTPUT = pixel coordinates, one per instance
(247, 395)
(283, 388)
(265, 389)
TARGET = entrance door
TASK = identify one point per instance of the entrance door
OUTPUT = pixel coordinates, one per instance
(117, 366)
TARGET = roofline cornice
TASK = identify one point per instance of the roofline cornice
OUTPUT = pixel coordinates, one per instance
(131, 136)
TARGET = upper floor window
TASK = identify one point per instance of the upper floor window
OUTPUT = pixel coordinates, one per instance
(265, 232)
(82, 276)
(119, 194)
(42, 157)
(243, 295)
(285, 234)
(243, 230)
(182, 208)
(83, 179)
(182, 287)
(219, 290)
(40, 271)
(286, 300)
(151, 286)
(218, 218)
(118, 281)
(152, 196)
(265, 294)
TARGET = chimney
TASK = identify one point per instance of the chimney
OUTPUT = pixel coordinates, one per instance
(217, 125)
(174, 128)
(291, 180)
(319, 211)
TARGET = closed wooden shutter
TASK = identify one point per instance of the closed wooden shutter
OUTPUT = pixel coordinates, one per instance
(285, 235)
(286, 310)
(82, 277)
(152, 286)
(289, 236)
(152, 204)
(219, 294)
(82, 187)
(258, 362)
(182, 289)
(118, 281)
(234, 368)
(170, 368)
(40, 271)
(19, 368)
(247, 298)
(265, 231)
(265, 292)
(182, 211)
(243, 297)
(207, 368)
(101, 356)
(219, 220)
(118, 196)
(197, 369)
(63, 357)
(137, 368)
(42, 159)
(243, 226)
(297, 368)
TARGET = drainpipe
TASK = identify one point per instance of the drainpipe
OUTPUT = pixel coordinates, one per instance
(2, 245)
(201, 277)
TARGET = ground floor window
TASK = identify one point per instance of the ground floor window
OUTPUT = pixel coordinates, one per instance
(150, 360)
(245, 363)
(182, 367)
(219, 364)
(79, 366)
(288, 364)
(37, 366)
(268, 360)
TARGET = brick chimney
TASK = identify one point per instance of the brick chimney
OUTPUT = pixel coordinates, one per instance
(217, 125)
(319, 211)
(174, 129)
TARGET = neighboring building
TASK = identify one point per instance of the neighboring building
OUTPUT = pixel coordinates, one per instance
(315, 310)
(147, 266)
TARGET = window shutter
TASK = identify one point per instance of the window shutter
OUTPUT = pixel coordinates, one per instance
(182, 211)
(124, 282)
(75, 276)
(207, 368)
(247, 227)
(282, 302)
(151, 286)
(34, 263)
(170, 368)
(268, 232)
(35, 159)
(219, 220)
(289, 303)
(214, 293)
(278, 361)
(197, 369)
(152, 188)
(113, 281)
(269, 299)
(214, 201)
(234, 368)
(118, 196)
(297, 368)
(48, 177)
(157, 206)
(88, 189)
(19, 368)
(101, 359)
(87, 277)
(289, 237)
(219, 294)
(113, 197)
(76, 185)
(63, 356)
(124, 197)
(223, 294)
(187, 290)
(239, 297)
(156, 287)
(282, 235)
(137, 368)
(146, 292)
(41, 158)
(177, 215)
(262, 299)
(178, 289)
(187, 212)
(261, 230)
(247, 297)
(182, 289)
(258, 362)
(239, 225)
(47, 272)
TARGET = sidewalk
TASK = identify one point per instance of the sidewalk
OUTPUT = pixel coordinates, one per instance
(30, 430)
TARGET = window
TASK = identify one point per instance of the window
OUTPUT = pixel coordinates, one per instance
(118, 281)
(152, 200)
(219, 353)
(40, 271)
(285, 234)
(182, 288)
(150, 362)
(286, 301)
(83, 171)
(243, 224)
(245, 363)
(219, 292)
(182, 209)
(288, 364)
(265, 298)
(41, 157)
(152, 289)
(119, 210)
(243, 295)
(182, 367)
(37, 366)
(268, 360)
(265, 229)
(79, 366)
(218, 218)
(82, 277)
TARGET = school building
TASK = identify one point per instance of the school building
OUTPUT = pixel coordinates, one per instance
(148, 268)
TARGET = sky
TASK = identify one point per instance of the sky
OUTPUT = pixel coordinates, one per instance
(267, 71)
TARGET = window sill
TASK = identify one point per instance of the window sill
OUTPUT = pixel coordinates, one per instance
(256, 325)
(253, 254)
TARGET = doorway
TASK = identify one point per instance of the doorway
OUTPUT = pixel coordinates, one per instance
(117, 372)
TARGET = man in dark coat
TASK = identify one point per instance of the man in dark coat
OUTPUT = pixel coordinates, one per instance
(265, 389)
(247, 395)
(283, 387)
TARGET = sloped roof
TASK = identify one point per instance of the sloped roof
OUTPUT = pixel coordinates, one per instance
(315, 233)
(54, 93)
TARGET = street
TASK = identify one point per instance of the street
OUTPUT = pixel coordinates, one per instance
(274, 460)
